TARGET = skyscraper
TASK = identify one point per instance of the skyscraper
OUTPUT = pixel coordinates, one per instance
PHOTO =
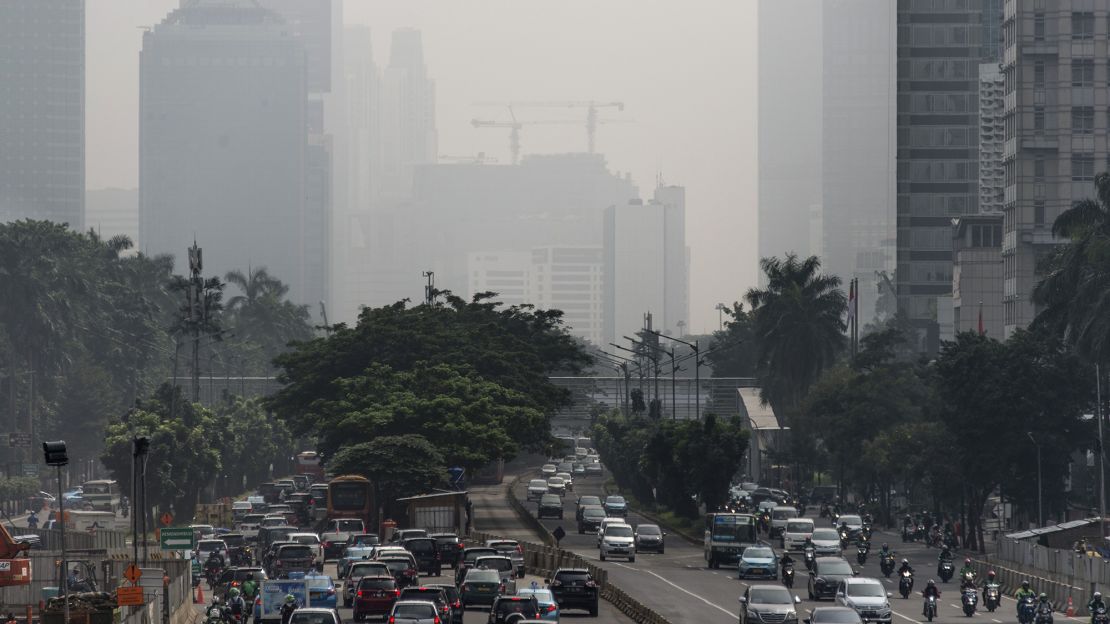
(224, 143)
(940, 47)
(1055, 69)
(42, 111)
(992, 138)
(789, 92)
(408, 114)
(858, 144)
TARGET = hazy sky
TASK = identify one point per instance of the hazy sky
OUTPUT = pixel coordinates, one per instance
(685, 70)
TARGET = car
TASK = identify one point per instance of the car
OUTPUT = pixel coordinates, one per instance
(565, 465)
(833, 615)
(512, 609)
(574, 588)
(550, 506)
(505, 566)
(854, 522)
(826, 574)
(649, 537)
(267, 556)
(469, 556)
(826, 542)
(579, 469)
(452, 593)
(584, 501)
(351, 555)
(779, 516)
(795, 533)
(615, 505)
(479, 587)
(431, 594)
(593, 470)
(205, 548)
(511, 549)
(234, 577)
(413, 612)
(867, 596)
(537, 488)
(545, 601)
(450, 547)
(590, 520)
(556, 485)
(608, 520)
(321, 591)
(311, 540)
(362, 539)
(401, 535)
(403, 569)
(426, 552)
(358, 571)
(291, 558)
(336, 532)
(386, 551)
(759, 562)
(617, 540)
(248, 526)
(568, 480)
(548, 470)
(374, 596)
(315, 615)
(768, 603)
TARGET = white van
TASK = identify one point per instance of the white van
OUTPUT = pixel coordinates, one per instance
(795, 532)
(779, 516)
(90, 521)
(240, 509)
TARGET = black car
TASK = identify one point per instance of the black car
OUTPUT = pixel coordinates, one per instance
(450, 547)
(551, 506)
(505, 607)
(453, 598)
(469, 556)
(402, 570)
(583, 502)
(826, 574)
(833, 615)
(574, 588)
(426, 552)
(590, 520)
(430, 594)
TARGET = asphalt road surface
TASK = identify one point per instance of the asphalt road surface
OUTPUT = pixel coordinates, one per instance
(680, 587)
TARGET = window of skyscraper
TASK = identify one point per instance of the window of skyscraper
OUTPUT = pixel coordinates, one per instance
(1038, 212)
(1038, 167)
(1082, 25)
(1038, 118)
(1082, 167)
(1038, 26)
(1082, 119)
(1082, 72)
(1038, 74)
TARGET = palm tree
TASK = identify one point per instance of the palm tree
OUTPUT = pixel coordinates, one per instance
(1075, 293)
(798, 328)
(262, 317)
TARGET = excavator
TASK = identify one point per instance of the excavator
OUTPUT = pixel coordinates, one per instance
(14, 570)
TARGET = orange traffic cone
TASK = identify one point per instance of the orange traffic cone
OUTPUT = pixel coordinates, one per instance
(200, 593)
(1071, 608)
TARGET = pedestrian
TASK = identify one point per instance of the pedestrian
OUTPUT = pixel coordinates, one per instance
(32, 521)
(11, 618)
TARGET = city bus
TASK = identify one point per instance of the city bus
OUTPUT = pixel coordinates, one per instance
(352, 496)
(308, 462)
(726, 537)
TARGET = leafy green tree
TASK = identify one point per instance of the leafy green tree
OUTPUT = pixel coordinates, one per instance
(797, 322)
(732, 352)
(261, 316)
(250, 441)
(397, 465)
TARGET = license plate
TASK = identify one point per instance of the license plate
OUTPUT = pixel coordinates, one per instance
(756, 571)
(574, 589)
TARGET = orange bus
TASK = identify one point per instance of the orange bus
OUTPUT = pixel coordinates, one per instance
(352, 496)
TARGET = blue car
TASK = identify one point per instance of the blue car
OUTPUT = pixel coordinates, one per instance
(321, 591)
(350, 555)
(549, 610)
(758, 562)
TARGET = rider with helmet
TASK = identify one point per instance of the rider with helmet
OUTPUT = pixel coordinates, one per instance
(288, 608)
(1022, 594)
(1095, 604)
(931, 590)
(235, 604)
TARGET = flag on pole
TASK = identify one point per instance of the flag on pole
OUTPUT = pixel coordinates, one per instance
(851, 301)
(981, 331)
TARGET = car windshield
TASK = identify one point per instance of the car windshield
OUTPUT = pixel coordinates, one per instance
(770, 595)
(414, 611)
(618, 531)
(614, 500)
(866, 590)
(556, 481)
(593, 513)
(589, 500)
(799, 527)
(318, 582)
(542, 595)
(648, 529)
(835, 616)
(472, 555)
(307, 539)
(551, 499)
(539, 483)
(367, 569)
(314, 617)
(836, 567)
(728, 528)
(508, 605)
(398, 565)
(824, 534)
(849, 519)
(348, 525)
(783, 514)
(295, 552)
(758, 553)
(496, 563)
(483, 576)
(377, 583)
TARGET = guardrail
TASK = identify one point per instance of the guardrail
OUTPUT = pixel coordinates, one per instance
(544, 559)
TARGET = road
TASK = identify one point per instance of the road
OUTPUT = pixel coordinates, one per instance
(680, 587)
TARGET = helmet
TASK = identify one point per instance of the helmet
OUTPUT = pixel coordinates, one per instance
(931, 583)
(290, 598)
(905, 561)
(1043, 596)
(967, 561)
(234, 593)
(885, 545)
(990, 574)
(1025, 584)
(1098, 595)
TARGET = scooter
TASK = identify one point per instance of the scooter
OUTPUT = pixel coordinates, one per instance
(930, 607)
(970, 599)
(905, 584)
(991, 597)
(1026, 610)
(861, 554)
(788, 575)
(809, 555)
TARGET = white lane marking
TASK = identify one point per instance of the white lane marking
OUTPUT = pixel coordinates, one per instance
(910, 619)
(681, 589)
(996, 621)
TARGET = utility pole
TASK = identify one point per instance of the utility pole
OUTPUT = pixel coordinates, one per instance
(430, 287)
(1040, 489)
(1101, 456)
(697, 368)
(196, 311)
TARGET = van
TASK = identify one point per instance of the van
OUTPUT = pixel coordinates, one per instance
(240, 510)
(779, 516)
(102, 494)
(795, 532)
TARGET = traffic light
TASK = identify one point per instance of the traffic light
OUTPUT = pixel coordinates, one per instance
(55, 453)
(140, 446)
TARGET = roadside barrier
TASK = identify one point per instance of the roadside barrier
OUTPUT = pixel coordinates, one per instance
(1009, 579)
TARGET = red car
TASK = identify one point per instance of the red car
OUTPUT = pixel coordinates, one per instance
(375, 596)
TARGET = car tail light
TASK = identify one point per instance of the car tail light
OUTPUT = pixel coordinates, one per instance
(464, 587)
(551, 608)
(396, 593)
(461, 545)
(520, 549)
(359, 594)
(457, 604)
(331, 591)
(591, 584)
(392, 620)
(436, 621)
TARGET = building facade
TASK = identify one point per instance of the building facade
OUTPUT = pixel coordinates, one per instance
(223, 148)
(408, 109)
(940, 48)
(1056, 120)
(113, 212)
(977, 274)
(42, 111)
(507, 273)
(992, 138)
(571, 279)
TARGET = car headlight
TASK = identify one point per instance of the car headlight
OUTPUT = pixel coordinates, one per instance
(791, 615)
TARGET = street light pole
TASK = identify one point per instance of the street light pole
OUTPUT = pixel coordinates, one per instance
(1040, 489)
(697, 368)
(1101, 456)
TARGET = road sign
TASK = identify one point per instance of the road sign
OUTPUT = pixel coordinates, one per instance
(129, 596)
(19, 439)
(30, 470)
(176, 539)
(133, 573)
(558, 534)
(167, 519)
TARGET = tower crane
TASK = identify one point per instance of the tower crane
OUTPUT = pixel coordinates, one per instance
(591, 107)
(515, 126)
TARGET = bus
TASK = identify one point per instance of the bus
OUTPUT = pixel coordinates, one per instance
(352, 496)
(308, 462)
(101, 495)
(726, 537)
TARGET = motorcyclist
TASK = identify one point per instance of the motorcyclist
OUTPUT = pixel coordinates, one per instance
(905, 567)
(1044, 604)
(214, 612)
(250, 587)
(965, 571)
(1022, 594)
(931, 590)
(235, 603)
(288, 608)
(1095, 604)
(214, 562)
(885, 550)
(990, 580)
(945, 554)
(786, 560)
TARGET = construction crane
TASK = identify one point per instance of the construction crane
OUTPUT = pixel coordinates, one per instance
(591, 107)
(515, 126)
(479, 159)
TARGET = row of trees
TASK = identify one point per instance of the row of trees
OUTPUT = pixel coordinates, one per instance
(411, 390)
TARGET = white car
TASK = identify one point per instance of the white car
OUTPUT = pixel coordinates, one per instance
(867, 596)
(779, 517)
(607, 522)
(548, 470)
(826, 542)
(795, 534)
(311, 540)
(568, 480)
(536, 489)
(617, 539)
(556, 485)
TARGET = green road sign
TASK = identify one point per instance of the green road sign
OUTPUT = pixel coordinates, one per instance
(176, 539)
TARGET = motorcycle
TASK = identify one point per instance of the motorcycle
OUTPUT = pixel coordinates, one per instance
(809, 555)
(886, 564)
(991, 596)
(788, 575)
(930, 607)
(861, 554)
(907, 533)
(1026, 610)
(970, 599)
(945, 570)
(1100, 616)
(1044, 614)
(845, 536)
(905, 584)
(825, 512)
